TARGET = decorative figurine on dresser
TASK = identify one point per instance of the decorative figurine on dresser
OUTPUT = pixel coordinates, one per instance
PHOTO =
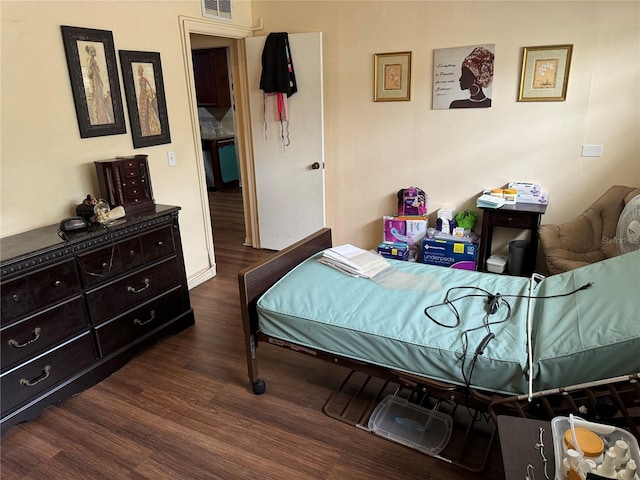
(78, 304)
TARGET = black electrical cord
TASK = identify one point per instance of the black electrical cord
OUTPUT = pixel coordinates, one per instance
(64, 237)
(493, 303)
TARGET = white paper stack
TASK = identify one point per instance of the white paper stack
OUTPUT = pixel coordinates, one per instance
(354, 261)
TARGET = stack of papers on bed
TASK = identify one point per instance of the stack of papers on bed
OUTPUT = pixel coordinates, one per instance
(354, 261)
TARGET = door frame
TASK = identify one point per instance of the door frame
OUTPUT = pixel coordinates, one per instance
(244, 149)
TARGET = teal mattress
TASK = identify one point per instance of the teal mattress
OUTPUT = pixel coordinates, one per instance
(590, 335)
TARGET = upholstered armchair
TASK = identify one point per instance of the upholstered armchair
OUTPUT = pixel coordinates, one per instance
(589, 237)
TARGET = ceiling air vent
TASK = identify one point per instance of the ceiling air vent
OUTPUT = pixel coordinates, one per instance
(216, 8)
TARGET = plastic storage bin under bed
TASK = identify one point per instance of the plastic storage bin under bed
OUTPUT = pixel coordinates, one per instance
(417, 427)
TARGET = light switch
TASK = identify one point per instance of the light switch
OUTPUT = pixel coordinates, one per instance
(171, 158)
(591, 150)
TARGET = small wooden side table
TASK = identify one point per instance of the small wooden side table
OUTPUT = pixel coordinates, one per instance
(524, 216)
(519, 438)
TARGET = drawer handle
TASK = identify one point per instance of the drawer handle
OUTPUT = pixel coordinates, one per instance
(138, 290)
(16, 344)
(144, 322)
(15, 297)
(104, 265)
(57, 283)
(32, 383)
(132, 253)
(160, 243)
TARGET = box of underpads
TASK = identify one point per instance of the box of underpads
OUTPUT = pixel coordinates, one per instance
(449, 253)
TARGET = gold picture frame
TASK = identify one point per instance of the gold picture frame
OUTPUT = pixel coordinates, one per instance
(392, 81)
(545, 73)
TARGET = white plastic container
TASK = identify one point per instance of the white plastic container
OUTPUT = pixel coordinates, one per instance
(417, 427)
(609, 435)
(497, 263)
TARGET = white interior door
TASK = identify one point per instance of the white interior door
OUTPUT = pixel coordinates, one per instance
(289, 190)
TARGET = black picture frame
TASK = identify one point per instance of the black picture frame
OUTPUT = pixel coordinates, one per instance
(146, 103)
(93, 71)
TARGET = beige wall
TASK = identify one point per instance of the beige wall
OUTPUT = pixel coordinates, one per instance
(372, 149)
(47, 169)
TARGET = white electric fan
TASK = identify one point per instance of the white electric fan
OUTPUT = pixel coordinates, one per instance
(628, 231)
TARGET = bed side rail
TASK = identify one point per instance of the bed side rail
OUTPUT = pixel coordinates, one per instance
(614, 401)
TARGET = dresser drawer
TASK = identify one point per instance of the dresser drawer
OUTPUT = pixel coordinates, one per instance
(16, 300)
(54, 283)
(130, 253)
(99, 265)
(124, 330)
(36, 334)
(43, 373)
(134, 191)
(513, 219)
(157, 244)
(38, 289)
(132, 290)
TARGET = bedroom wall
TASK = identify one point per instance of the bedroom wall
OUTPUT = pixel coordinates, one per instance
(372, 149)
(375, 148)
(47, 169)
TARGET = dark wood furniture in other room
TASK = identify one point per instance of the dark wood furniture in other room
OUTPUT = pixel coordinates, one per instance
(77, 306)
(224, 163)
(211, 77)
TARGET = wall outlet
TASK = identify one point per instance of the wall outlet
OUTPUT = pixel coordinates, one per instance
(171, 159)
(591, 150)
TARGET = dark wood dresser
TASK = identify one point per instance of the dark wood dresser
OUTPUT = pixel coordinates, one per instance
(75, 310)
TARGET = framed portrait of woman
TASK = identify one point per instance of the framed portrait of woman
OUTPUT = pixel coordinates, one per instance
(93, 72)
(463, 77)
(146, 104)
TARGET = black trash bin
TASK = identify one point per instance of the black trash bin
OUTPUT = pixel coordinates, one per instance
(518, 256)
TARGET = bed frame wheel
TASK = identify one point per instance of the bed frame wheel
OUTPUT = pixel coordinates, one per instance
(259, 387)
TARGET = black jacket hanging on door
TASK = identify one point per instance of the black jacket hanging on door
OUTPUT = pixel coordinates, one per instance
(278, 75)
(278, 79)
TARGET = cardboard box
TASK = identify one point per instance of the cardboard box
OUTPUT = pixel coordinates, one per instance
(523, 188)
(449, 253)
(530, 193)
(398, 251)
(409, 230)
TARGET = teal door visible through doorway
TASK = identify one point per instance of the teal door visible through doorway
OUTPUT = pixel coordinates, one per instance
(228, 163)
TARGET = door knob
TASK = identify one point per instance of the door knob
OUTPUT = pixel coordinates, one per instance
(315, 166)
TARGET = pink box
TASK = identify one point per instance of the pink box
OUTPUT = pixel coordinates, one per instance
(394, 230)
(407, 230)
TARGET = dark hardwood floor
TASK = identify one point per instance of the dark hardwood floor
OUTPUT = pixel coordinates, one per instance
(183, 408)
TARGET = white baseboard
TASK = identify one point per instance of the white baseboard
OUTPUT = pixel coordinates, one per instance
(201, 277)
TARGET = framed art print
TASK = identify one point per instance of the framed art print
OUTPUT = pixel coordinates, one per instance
(463, 77)
(146, 104)
(93, 72)
(392, 77)
(545, 73)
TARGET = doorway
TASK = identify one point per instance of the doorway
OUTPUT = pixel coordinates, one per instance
(218, 130)
(275, 196)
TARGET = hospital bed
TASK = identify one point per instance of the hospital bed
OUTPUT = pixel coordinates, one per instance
(534, 347)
